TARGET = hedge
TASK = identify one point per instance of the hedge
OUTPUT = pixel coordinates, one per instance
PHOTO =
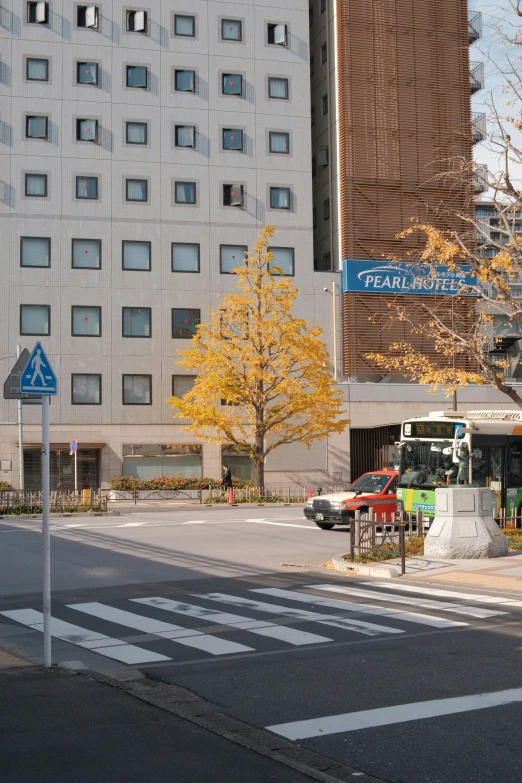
(170, 482)
(5, 486)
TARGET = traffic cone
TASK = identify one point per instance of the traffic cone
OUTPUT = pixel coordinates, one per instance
(230, 497)
(310, 493)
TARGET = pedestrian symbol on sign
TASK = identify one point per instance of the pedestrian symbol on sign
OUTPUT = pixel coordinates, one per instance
(38, 376)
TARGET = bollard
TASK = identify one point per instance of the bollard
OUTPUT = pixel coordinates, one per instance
(357, 531)
(402, 547)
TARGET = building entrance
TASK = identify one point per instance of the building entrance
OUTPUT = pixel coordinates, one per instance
(62, 469)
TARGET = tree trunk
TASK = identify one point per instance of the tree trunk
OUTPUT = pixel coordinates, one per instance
(259, 473)
(259, 454)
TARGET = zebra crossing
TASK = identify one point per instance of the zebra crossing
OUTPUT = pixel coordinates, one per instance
(139, 630)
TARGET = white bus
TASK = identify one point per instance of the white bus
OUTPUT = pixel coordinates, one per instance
(482, 448)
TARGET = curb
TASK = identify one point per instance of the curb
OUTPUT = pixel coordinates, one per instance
(361, 569)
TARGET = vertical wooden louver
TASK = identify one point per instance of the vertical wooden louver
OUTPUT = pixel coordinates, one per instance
(404, 111)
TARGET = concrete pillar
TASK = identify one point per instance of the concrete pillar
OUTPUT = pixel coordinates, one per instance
(463, 526)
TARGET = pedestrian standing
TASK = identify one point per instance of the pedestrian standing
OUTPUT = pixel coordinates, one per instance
(227, 478)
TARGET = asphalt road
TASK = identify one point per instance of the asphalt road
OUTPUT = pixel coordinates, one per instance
(405, 685)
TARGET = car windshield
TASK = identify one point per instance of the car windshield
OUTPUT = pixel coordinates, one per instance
(427, 464)
(370, 482)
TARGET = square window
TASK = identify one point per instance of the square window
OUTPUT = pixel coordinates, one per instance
(87, 73)
(326, 209)
(277, 34)
(185, 81)
(280, 198)
(136, 132)
(232, 139)
(185, 257)
(136, 321)
(284, 259)
(87, 130)
(185, 192)
(36, 185)
(136, 255)
(182, 384)
(323, 264)
(37, 69)
(278, 87)
(323, 156)
(36, 127)
(232, 84)
(136, 189)
(324, 54)
(87, 187)
(185, 322)
(38, 13)
(231, 30)
(85, 389)
(87, 16)
(184, 25)
(86, 254)
(137, 21)
(86, 321)
(137, 76)
(279, 142)
(35, 251)
(137, 389)
(35, 319)
(324, 104)
(231, 257)
(233, 195)
(185, 135)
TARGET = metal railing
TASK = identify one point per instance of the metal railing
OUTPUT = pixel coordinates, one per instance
(476, 77)
(18, 501)
(475, 26)
(275, 494)
(392, 530)
(478, 126)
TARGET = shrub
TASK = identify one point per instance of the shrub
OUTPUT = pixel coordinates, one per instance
(5, 486)
(129, 483)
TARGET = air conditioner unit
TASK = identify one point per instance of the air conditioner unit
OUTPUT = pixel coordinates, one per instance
(322, 157)
(137, 21)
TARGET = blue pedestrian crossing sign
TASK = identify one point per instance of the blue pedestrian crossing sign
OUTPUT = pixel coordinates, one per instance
(38, 376)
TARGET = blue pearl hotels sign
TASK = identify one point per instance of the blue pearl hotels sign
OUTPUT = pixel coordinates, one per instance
(397, 277)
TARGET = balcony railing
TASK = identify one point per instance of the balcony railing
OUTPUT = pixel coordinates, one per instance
(478, 127)
(475, 27)
(476, 77)
(480, 179)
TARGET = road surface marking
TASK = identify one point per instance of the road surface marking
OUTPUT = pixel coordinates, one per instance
(471, 611)
(236, 621)
(131, 524)
(359, 626)
(484, 599)
(89, 640)
(280, 524)
(174, 633)
(388, 716)
(397, 614)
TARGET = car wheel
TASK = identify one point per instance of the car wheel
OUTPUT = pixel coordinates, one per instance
(325, 525)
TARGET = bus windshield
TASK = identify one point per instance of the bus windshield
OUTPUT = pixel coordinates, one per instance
(427, 464)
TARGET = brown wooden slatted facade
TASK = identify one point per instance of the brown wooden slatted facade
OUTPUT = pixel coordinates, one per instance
(404, 109)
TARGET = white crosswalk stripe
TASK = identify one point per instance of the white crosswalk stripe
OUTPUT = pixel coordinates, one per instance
(173, 633)
(482, 599)
(116, 649)
(470, 611)
(289, 635)
(348, 606)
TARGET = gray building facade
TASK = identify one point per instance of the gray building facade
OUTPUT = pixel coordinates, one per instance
(141, 150)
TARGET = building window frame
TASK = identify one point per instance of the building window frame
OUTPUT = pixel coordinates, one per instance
(184, 35)
(177, 329)
(124, 244)
(44, 179)
(96, 187)
(36, 334)
(75, 240)
(186, 244)
(87, 307)
(124, 311)
(97, 375)
(136, 122)
(136, 375)
(23, 240)
(29, 60)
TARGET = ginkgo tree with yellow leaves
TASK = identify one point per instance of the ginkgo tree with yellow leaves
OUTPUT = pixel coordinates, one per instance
(262, 374)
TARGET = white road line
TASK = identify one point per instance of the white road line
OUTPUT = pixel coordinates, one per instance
(131, 524)
(89, 640)
(348, 606)
(236, 621)
(359, 626)
(484, 599)
(387, 716)
(471, 611)
(280, 524)
(174, 633)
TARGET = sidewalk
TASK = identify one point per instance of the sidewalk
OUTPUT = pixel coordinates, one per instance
(498, 573)
(59, 727)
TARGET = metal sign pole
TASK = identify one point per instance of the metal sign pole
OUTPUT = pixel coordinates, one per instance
(46, 531)
(20, 432)
(76, 472)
